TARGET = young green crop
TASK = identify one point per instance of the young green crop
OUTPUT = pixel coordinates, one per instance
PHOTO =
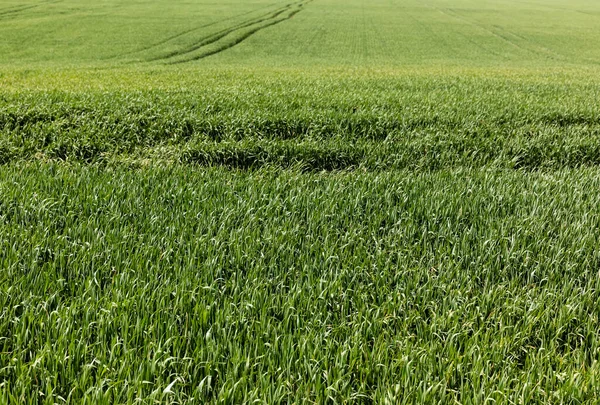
(323, 201)
(306, 34)
(279, 286)
(380, 122)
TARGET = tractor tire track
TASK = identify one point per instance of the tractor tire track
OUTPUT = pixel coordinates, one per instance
(189, 31)
(572, 10)
(258, 24)
(240, 39)
(558, 56)
(453, 14)
(15, 10)
(207, 40)
(442, 39)
(504, 35)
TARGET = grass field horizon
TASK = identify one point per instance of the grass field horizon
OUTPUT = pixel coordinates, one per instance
(311, 201)
(301, 33)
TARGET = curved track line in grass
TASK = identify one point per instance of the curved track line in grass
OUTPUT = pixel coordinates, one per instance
(253, 26)
(15, 10)
(211, 38)
(572, 10)
(465, 37)
(189, 31)
(536, 47)
(503, 35)
(238, 40)
(453, 14)
(208, 40)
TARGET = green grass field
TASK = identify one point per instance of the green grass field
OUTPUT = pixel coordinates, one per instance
(311, 201)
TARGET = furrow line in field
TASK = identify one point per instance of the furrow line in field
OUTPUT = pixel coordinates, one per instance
(11, 11)
(212, 38)
(191, 30)
(14, 11)
(456, 16)
(241, 38)
(536, 47)
(548, 7)
(504, 36)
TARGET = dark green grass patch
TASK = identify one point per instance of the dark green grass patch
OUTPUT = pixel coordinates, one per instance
(184, 285)
(253, 155)
(384, 124)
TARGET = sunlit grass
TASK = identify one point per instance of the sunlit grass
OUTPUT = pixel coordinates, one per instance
(270, 285)
(350, 202)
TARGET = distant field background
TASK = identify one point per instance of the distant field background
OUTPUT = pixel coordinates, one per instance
(330, 33)
(317, 201)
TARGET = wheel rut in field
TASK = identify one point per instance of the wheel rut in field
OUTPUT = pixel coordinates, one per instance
(511, 39)
(190, 31)
(214, 37)
(229, 37)
(9, 12)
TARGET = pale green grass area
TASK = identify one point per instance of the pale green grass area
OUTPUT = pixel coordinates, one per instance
(324, 201)
(302, 33)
